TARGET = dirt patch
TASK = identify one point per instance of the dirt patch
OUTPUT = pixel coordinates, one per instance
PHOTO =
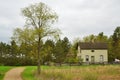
(14, 74)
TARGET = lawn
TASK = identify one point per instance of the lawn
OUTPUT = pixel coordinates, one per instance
(3, 70)
(29, 73)
(99, 72)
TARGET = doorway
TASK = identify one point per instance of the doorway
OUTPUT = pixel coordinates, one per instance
(92, 59)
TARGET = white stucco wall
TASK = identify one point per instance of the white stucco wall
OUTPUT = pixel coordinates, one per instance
(96, 54)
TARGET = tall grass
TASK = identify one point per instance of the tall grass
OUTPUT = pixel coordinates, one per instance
(108, 72)
(3, 70)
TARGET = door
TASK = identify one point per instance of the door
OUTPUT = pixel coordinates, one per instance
(92, 59)
(101, 58)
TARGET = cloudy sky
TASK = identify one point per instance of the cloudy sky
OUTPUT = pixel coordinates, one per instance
(77, 18)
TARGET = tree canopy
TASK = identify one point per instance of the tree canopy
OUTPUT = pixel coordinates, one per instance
(39, 18)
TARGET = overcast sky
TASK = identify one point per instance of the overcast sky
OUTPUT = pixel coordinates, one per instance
(77, 18)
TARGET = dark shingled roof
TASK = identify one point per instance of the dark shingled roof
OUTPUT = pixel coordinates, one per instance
(90, 45)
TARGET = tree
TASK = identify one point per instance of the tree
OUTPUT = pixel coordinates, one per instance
(89, 38)
(66, 45)
(61, 50)
(116, 36)
(3, 52)
(72, 54)
(26, 40)
(14, 49)
(47, 51)
(25, 35)
(2, 49)
(111, 55)
(40, 17)
(96, 38)
(116, 43)
(101, 37)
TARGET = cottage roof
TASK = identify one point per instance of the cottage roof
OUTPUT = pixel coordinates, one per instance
(90, 45)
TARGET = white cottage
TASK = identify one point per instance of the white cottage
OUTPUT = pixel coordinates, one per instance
(93, 52)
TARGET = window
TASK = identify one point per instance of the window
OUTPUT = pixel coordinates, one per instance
(92, 50)
(101, 58)
(87, 58)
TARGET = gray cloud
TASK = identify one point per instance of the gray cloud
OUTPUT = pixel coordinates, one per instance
(77, 18)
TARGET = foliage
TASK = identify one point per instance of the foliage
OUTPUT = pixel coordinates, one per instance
(89, 38)
(47, 51)
(61, 50)
(23, 48)
(115, 45)
(39, 17)
(96, 38)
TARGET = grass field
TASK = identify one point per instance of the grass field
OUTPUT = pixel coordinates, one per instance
(3, 70)
(108, 72)
(29, 73)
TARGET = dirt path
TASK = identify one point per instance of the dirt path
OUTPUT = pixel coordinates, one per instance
(14, 74)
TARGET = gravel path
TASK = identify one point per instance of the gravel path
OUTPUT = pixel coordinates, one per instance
(14, 74)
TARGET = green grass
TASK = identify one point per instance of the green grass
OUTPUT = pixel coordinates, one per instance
(3, 70)
(29, 73)
(99, 72)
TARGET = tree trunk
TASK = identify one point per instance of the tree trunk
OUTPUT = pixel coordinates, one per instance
(39, 68)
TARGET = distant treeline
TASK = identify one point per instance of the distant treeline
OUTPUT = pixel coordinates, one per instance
(22, 49)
